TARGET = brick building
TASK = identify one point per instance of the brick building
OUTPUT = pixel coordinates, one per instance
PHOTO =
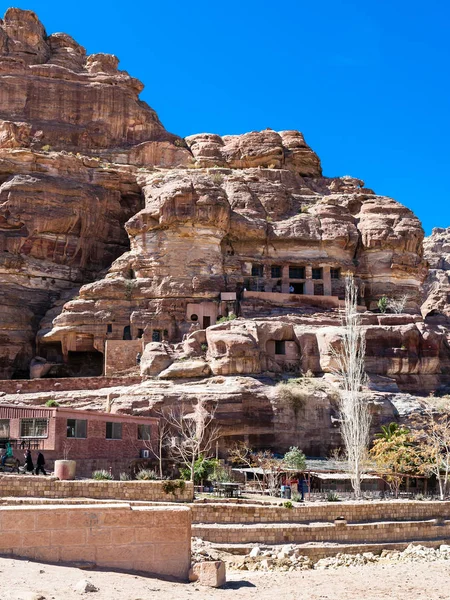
(96, 440)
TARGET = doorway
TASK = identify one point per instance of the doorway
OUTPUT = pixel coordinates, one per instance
(206, 322)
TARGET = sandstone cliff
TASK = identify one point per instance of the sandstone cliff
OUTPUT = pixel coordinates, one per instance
(117, 236)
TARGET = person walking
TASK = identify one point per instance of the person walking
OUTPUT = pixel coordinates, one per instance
(40, 464)
(29, 466)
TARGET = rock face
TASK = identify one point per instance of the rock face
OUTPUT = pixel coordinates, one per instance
(111, 228)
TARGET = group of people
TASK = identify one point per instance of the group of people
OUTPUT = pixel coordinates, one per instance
(40, 462)
(29, 465)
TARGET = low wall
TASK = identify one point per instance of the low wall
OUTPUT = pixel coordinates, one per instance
(51, 487)
(62, 384)
(353, 512)
(273, 533)
(156, 540)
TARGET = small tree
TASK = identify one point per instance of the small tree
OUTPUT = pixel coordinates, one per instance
(295, 459)
(383, 304)
(431, 430)
(395, 457)
(159, 448)
(353, 407)
(193, 434)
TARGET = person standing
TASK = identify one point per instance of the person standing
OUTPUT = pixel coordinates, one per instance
(29, 466)
(40, 464)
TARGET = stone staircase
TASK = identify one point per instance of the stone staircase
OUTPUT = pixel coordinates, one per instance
(323, 529)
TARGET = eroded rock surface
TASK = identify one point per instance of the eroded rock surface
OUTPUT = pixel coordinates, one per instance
(113, 229)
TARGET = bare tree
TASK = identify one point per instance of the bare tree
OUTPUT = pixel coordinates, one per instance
(193, 434)
(431, 430)
(159, 448)
(397, 305)
(353, 408)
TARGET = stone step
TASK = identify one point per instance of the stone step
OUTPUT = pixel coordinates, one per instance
(316, 551)
(342, 533)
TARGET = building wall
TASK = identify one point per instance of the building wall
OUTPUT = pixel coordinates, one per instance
(155, 540)
(91, 453)
(120, 355)
(32, 386)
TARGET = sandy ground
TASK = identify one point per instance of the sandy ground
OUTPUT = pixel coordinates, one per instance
(24, 580)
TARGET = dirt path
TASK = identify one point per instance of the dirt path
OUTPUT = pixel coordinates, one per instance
(23, 580)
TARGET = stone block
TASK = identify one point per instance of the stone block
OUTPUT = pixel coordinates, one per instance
(211, 574)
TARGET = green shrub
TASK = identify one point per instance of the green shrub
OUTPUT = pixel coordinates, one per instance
(295, 459)
(46, 148)
(296, 497)
(124, 477)
(333, 497)
(146, 475)
(383, 304)
(288, 504)
(171, 486)
(101, 475)
(204, 347)
(217, 178)
(52, 403)
(230, 317)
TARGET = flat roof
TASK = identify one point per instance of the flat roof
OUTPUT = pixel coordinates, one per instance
(54, 410)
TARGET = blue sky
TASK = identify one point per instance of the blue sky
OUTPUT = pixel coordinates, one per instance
(366, 81)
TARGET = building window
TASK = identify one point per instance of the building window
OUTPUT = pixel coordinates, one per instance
(317, 273)
(127, 332)
(144, 432)
(109, 328)
(76, 428)
(280, 347)
(156, 335)
(4, 429)
(113, 431)
(335, 273)
(296, 272)
(33, 428)
(257, 271)
(275, 271)
(194, 317)
(140, 333)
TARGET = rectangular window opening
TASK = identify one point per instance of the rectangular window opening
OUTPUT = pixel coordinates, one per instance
(4, 429)
(76, 428)
(156, 335)
(109, 328)
(335, 273)
(280, 347)
(144, 432)
(296, 272)
(257, 271)
(275, 271)
(33, 428)
(113, 431)
(317, 273)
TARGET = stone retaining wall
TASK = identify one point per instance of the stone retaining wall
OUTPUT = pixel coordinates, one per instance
(225, 512)
(388, 531)
(156, 540)
(51, 487)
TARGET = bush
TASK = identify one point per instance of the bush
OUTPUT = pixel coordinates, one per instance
(52, 403)
(383, 304)
(230, 317)
(296, 497)
(124, 477)
(170, 487)
(204, 347)
(146, 475)
(333, 497)
(102, 475)
(288, 504)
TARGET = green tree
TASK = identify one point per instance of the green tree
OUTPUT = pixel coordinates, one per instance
(295, 459)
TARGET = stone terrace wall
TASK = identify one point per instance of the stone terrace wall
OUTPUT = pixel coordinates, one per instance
(156, 540)
(51, 487)
(228, 512)
(32, 386)
(273, 533)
